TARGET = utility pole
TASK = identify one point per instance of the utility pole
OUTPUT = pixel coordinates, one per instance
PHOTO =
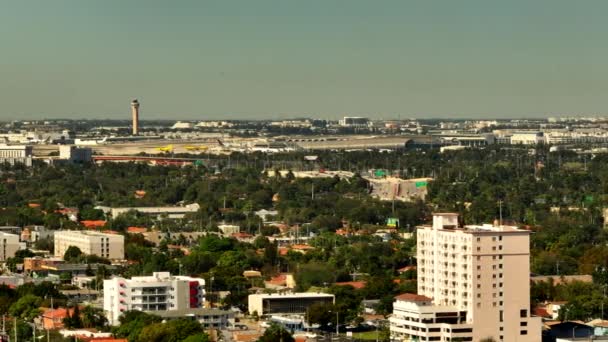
(15, 326)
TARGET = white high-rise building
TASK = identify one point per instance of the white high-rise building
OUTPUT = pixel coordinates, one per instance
(110, 246)
(473, 283)
(159, 292)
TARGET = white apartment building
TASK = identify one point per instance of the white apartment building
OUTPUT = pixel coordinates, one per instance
(158, 292)
(527, 138)
(110, 246)
(473, 283)
(354, 121)
(177, 212)
(9, 245)
(16, 154)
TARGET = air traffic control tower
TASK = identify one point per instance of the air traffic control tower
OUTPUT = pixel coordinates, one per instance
(135, 114)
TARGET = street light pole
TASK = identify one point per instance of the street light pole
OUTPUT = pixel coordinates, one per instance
(337, 323)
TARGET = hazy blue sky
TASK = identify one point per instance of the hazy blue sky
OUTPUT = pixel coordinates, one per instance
(326, 58)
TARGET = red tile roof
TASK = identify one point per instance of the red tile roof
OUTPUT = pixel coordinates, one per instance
(56, 313)
(541, 312)
(412, 297)
(302, 247)
(136, 230)
(93, 223)
(356, 284)
(281, 279)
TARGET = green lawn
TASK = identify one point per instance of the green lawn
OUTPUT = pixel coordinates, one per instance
(368, 335)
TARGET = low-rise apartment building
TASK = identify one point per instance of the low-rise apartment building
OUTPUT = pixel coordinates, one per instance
(110, 246)
(159, 292)
(9, 245)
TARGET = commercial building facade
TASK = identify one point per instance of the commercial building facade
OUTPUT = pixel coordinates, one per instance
(158, 292)
(476, 275)
(16, 154)
(289, 303)
(75, 154)
(110, 246)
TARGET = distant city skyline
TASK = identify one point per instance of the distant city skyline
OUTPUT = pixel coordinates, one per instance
(277, 59)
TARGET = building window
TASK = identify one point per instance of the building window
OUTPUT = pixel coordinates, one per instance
(523, 324)
(523, 313)
(523, 332)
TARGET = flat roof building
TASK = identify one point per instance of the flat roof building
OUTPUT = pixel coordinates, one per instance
(171, 212)
(110, 246)
(9, 245)
(16, 154)
(290, 303)
(160, 292)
